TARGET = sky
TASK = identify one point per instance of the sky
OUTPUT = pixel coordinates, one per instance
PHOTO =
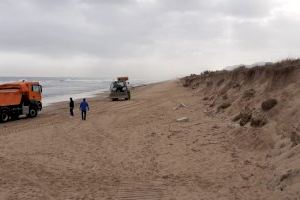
(148, 39)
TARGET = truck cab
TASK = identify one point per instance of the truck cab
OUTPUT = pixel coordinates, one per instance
(34, 94)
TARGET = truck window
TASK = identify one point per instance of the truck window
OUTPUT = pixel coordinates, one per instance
(37, 88)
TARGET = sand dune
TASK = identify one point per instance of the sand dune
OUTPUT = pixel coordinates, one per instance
(273, 133)
(138, 150)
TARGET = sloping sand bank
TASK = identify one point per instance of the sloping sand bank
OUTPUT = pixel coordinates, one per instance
(137, 150)
(265, 103)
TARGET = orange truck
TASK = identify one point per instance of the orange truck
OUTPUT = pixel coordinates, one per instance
(20, 98)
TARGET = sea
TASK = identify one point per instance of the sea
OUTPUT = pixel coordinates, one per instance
(58, 89)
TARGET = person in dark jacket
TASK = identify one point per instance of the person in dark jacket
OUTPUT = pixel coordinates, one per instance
(72, 107)
(84, 107)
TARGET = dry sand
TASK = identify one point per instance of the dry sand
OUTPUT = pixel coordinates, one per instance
(137, 150)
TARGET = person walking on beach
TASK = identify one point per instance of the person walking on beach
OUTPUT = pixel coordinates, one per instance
(84, 107)
(71, 107)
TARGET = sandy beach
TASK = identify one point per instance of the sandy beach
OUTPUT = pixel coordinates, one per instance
(188, 100)
(138, 150)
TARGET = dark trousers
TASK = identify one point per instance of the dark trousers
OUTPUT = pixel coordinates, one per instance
(72, 111)
(83, 115)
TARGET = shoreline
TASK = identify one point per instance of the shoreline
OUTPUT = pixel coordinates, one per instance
(60, 89)
(65, 98)
(93, 98)
(49, 101)
(65, 103)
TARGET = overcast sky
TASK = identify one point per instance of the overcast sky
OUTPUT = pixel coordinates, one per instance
(154, 39)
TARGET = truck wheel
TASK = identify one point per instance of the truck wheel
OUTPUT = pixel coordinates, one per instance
(32, 112)
(4, 117)
(15, 117)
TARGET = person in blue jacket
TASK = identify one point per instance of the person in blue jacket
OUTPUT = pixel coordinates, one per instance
(84, 107)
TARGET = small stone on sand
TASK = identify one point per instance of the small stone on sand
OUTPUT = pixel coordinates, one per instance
(183, 119)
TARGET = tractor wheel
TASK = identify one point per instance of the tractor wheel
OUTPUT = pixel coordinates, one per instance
(32, 112)
(4, 117)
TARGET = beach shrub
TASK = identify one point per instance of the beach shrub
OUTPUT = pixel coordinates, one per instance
(295, 139)
(258, 119)
(224, 105)
(268, 104)
(249, 94)
(245, 118)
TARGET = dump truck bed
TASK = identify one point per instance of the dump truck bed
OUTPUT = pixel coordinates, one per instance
(9, 97)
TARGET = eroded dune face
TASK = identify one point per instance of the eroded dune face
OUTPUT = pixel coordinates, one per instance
(265, 102)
